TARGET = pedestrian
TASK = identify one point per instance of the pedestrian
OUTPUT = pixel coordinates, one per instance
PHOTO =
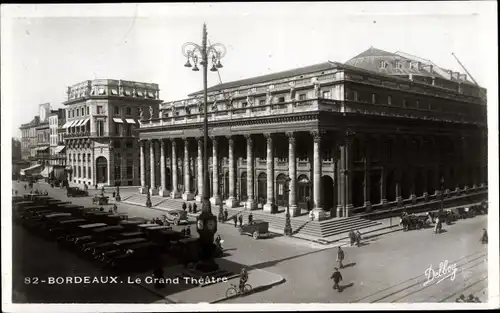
(337, 278)
(194, 207)
(184, 206)
(358, 238)
(25, 186)
(250, 219)
(308, 204)
(95, 186)
(240, 219)
(235, 220)
(190, 208)
(484, 237)
(226, 214)
(188, 231)
(438, 226)
(352, 237)
(340, 257)
(311, 215)
(16, 192)
(115, 208)
(183, 231)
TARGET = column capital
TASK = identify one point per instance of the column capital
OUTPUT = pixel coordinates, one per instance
(230, 139)
(316, 135)
(248, 137)
(199, 140)
(269, 137)
(162, 143)
(214, 140)
(185, 139)
(173, 141)
(290, 134)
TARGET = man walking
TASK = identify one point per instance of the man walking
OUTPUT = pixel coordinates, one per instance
(235, 220)
(358, 238)
(352, 237)
(337, 278)
(240, 219)
(340, 257)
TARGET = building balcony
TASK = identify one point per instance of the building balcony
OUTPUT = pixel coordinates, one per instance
(312, 105)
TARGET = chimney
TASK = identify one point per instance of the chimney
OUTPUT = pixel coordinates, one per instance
(429, 68)
(455, 75)
(450, 74)
(463, 77)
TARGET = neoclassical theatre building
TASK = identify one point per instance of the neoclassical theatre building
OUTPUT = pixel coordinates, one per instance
(380, 130)
(102, 118)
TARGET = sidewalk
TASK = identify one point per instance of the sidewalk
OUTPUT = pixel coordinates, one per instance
(178, 288)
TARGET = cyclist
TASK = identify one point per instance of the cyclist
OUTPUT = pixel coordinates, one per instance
(243, 279)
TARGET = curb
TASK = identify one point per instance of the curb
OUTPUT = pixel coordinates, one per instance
(254, 290)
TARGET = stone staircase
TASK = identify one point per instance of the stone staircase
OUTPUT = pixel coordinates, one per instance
(323, 229)
(276, 221)
(300, 226)
(140, 199)
(332, 227)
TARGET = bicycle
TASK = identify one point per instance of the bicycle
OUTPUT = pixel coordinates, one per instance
(235, 290)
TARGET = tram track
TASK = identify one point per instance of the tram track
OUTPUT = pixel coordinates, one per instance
(419, 278)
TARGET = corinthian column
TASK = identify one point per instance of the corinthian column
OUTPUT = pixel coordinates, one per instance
(319, 213)
(250, 205)
(163, 191)
(215, 200)
(292, 199)
(188, 196)
(175, 192)
(143, 188)
(153, 190)
(231, 201)
(270, 174)
(199, 196)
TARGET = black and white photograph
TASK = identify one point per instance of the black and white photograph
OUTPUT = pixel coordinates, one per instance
(249, 156)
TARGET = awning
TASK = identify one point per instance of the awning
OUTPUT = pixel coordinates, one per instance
(130, 121)
(66, 125)
(72, 124)
(59, 149)
(46, 171)
(80, 122)
(117, 120)
(42, 148)
(85, 121)
(24, 170)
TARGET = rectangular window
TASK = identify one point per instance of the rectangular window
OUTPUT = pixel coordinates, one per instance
(99, 109)
(117, 129)
(374, 98)
(302, 96)
(88, 113)
(129, 130)
(244, 105)
(117, 110)
(129, 171)
(129, 111)
(100, 128)
(281, 99)
(77, 112)
(89, 171)
(356, 95)
(84, 171)
(326, 94)
(405, 103)
(389, 100)
(83, 111)
(129, 144)
(417, 103)
(262, 102)
(83, 157)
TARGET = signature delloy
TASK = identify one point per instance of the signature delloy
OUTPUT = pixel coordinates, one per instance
(445, 271)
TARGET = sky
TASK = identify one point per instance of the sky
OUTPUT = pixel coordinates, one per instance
(46, 48)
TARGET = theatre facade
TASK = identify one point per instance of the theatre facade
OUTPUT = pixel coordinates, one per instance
(380, 130)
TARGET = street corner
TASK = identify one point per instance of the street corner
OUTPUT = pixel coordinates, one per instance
(182, 285)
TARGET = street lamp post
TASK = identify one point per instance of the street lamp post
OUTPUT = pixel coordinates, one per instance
(206, 223)
(288, 223)
(442, 192)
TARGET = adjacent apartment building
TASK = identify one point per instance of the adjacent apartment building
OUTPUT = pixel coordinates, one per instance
(102, 117)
